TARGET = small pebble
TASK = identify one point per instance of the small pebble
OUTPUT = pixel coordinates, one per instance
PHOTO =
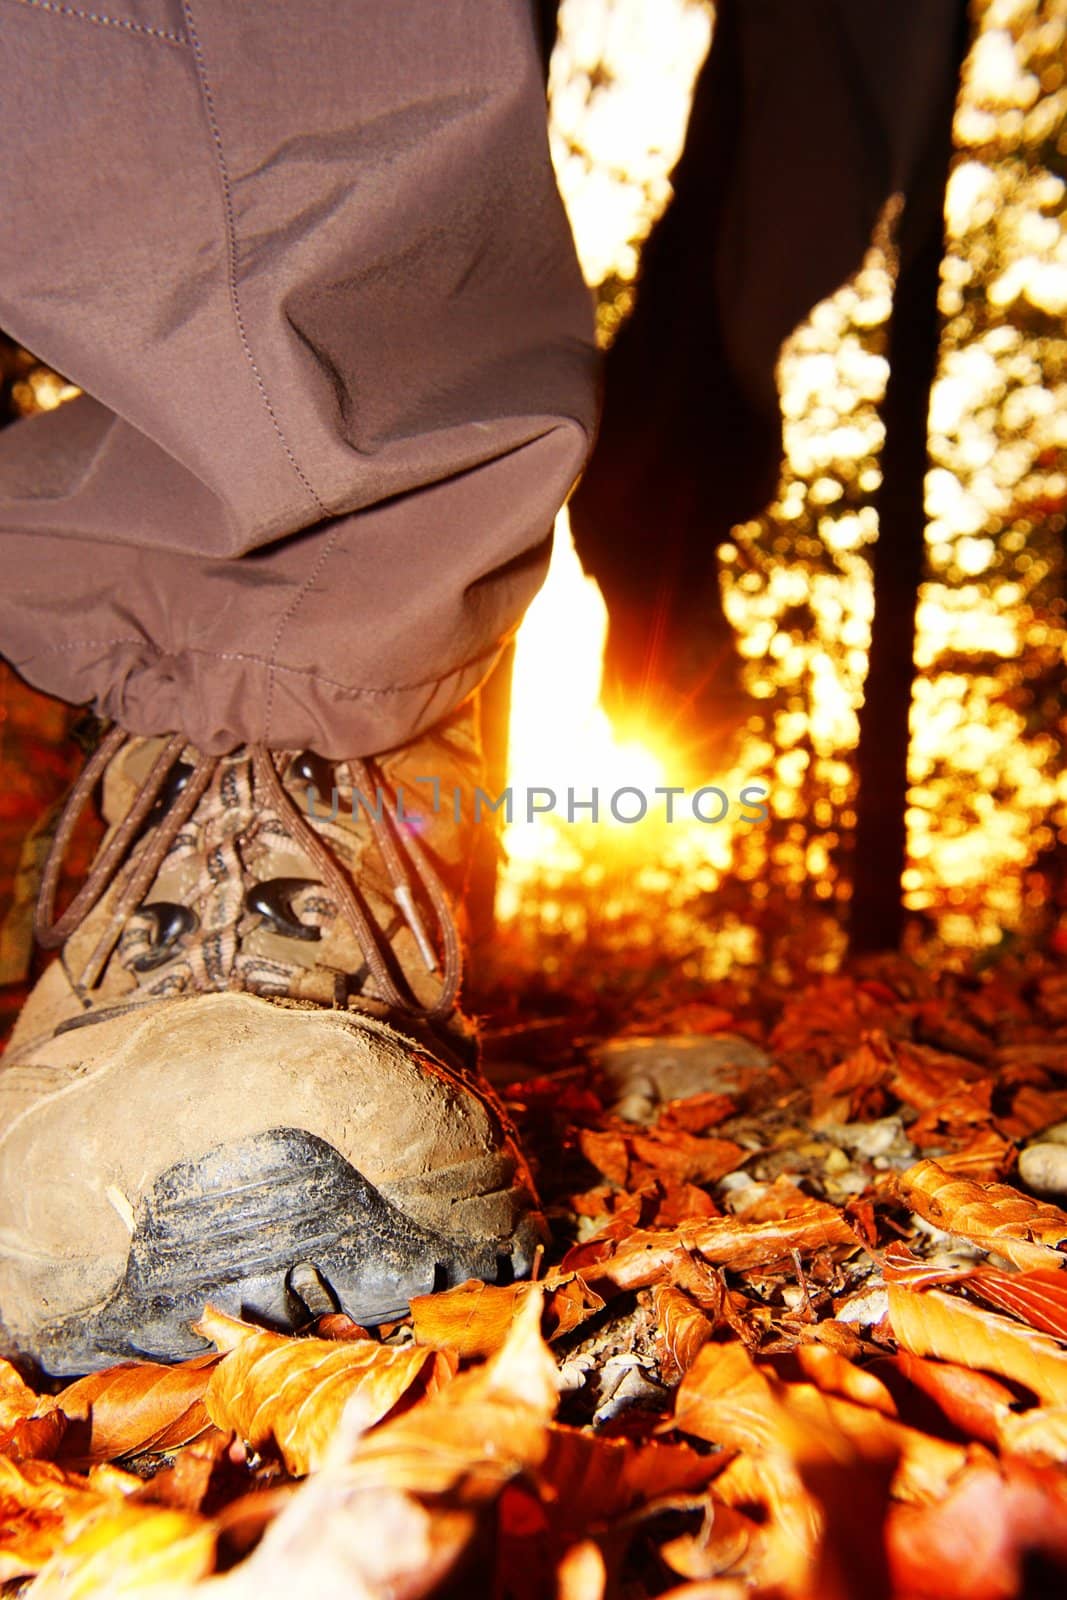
(1043, 1167)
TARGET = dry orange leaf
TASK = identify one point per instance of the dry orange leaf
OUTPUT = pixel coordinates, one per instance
(291, 1392)
(992, 1215)
(924, 1077)
(727, 1399)
(133, 1409)
(681, 1330)
(972, 1544)
(973, 1401)
(474, 1318)
(934, 1323)
(686, 1156)
(720, 1545)
(42, 1507)
(477, 1432)
(648, 1256)
(127, 1550)
(984, 1158)
(833, 1373)
(17, 1399)
(588, 1481)
(1039, 1298)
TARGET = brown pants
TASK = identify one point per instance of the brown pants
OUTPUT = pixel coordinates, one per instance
(309, 265)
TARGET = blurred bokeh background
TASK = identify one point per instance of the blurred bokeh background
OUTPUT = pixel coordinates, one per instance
(790, 596)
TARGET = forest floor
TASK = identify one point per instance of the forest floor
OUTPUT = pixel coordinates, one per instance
(801, 1332)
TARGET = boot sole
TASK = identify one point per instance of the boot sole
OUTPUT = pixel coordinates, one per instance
(228, 1228)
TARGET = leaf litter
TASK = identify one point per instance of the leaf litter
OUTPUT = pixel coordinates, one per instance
(801, 1335)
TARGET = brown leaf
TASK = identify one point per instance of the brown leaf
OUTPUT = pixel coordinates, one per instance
(34, 1438)
(994, 1216)
(474, 1318)
(938, 1324)
(726, 1399)
(972, 1401)
(1033, 1109)
(17, 1399)
(924, 1077)
(581, 1574)
(1039, 1298)
(834, 1374)
(720, 1545)
(609, 1153)
(291, 1393)
(126, 1550)
(697, 1113)
(841, 1094)
(133, 1409)
(681, 1330)
(971, 1545)
(588, 1481)
(685, 1156)
(477, 1432)
(42, 1507)
(984, 1158)
(647, 1257)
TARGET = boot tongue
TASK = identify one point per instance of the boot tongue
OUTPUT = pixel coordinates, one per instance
(125, 777)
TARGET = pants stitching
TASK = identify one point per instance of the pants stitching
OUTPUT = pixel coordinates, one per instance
(266, 661)
(107, 22)
(231, 251)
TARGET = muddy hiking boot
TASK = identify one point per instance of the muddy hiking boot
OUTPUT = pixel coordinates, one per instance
(247, 1071)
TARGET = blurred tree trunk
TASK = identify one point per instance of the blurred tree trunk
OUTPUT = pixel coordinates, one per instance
(876, 920)
(547, 15)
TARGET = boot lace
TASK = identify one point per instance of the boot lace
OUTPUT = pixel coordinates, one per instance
(406, 864)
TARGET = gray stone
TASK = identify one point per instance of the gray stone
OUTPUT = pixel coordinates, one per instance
(647, 1073)
(1043, 1167)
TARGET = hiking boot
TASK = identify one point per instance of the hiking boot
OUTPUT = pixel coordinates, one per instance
(247, 1061)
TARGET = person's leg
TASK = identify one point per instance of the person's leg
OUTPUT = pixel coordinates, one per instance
(311, 266)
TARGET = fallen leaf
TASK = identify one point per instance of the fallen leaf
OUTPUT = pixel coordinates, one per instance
(475, 1318)
(17, 1399)
(1039, 1298)
(648, 1256)
(834, 1374)
(127, 1550)
(681, 1330)
(993, 1215)
(588, 1481)
(477, 1432)
(972, 1544)
(133, 1409)
(972, 1401)
(43, 1507)
(934, 1323)
(984, 1158)
(291, 1392)
(581, 1574)
(924, 1077)
(722, 1544)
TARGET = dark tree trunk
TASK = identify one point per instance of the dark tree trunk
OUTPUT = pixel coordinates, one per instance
(547, 16)
(898, 562)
